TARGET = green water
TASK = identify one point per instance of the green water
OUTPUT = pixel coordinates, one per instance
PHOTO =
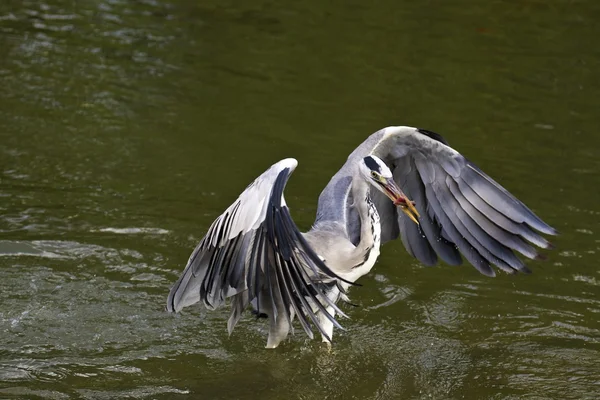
(126, 127)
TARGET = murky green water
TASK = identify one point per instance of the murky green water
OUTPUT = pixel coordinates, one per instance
(126, 127)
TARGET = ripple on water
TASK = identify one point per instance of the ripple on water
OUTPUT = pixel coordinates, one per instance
(25, 392)
(82, 310)
(52, 249)
(49, 373)
(61, 249)
(445, 310)
(137, 266)
(128, 231)
(137, 393)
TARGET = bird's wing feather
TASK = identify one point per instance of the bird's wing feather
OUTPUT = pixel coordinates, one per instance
(461, 208)
(255, 252)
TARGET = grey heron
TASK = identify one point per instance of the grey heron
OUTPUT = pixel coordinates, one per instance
(400, 182)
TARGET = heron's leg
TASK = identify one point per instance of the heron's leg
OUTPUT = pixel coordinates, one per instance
(278, 330)
(327, 325)
(279, 325)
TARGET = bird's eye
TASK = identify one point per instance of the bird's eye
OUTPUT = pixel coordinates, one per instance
(374, 175)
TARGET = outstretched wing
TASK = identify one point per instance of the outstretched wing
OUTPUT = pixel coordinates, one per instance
(255, 252)
(462, 209)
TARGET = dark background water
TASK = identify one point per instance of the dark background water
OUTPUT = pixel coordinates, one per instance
(126, 127)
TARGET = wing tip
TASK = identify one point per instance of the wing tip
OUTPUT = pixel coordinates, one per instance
(548, 245)
(171, 308)
(290, 163)
(484, 267)
(538, 224)
(489, 272)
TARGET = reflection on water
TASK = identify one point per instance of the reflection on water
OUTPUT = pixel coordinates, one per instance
(127, 126)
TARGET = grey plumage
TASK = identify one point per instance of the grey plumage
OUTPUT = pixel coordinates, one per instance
(255, 254)
(261, 256)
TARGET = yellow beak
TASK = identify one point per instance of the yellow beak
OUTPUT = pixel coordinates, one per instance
(401, 200)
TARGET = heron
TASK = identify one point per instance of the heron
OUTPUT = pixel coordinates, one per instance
(401, 182)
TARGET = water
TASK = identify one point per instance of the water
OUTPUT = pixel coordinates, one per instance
(127, 127)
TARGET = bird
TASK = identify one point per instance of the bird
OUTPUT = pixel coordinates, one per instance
(401, 182)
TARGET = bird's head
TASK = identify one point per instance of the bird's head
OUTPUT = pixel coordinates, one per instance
(378, 174)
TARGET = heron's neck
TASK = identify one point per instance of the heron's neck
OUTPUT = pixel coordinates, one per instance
(370, 228)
